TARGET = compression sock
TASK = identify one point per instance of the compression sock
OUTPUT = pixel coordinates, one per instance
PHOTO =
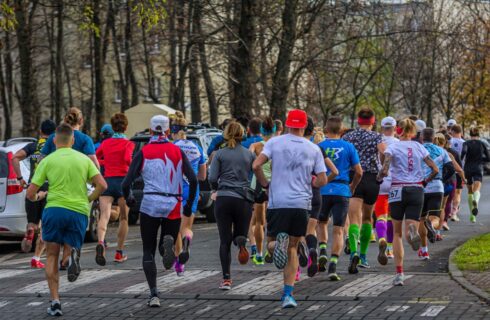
(366, 231)
(389, 231)
(381, 229)
(470, 201)
(399, 269)
(288, 290)
(334, 258)
(311, 242)
(476, 196)
(323, 248)
(353, 237)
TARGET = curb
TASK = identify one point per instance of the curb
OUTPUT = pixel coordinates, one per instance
(457, 276)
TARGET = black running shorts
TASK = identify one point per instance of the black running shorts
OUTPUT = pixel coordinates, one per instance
(316, 204)
(291, 221)
(472, 175)
(432, 204)
(368, 189)
(459, 182)
(34, 211)
(411, 204)
(336, 207)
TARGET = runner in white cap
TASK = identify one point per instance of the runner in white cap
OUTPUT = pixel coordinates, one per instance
(451, 123)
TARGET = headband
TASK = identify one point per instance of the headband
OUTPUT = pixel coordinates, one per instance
(399, 130)
(266, 132)
(365, 122)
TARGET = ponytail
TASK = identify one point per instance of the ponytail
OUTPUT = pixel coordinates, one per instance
(233, 134)
(408, 127)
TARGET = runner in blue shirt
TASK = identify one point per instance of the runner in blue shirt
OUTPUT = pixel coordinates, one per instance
(195, 155)
(336, 194)
(254, 134)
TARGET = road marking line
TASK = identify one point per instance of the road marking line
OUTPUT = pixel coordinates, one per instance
(208, 308)
(171, 281)
(432, 311)
(16, 261)
(266, 284)
(173, 305)
(37, 303)
(354, 309)
(369, 285)
(246, 307)
(6, 273)
(315, 307)
(4, 303)
(7, 257)
(397, 308)
(85, 278)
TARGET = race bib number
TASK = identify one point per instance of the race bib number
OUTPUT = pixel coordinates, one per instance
(395, 195)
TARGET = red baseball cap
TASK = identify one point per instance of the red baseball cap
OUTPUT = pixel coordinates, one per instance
(297, 119)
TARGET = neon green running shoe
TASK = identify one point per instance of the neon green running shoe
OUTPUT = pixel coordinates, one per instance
(472, 218)
(258, 260)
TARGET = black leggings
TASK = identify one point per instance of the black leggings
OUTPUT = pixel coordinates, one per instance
(149, 232)
(233, 219)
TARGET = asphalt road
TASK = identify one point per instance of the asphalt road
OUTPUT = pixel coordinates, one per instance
(119, 291)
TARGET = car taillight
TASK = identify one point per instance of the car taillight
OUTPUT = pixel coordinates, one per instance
(13, 186)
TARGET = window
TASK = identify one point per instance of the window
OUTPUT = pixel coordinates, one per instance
(117, 91)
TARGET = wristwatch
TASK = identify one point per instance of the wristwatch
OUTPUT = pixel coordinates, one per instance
(20, 178)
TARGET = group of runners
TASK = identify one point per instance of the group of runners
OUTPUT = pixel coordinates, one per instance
(275, 187)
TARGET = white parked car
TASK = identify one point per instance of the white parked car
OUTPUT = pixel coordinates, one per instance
(13, 218)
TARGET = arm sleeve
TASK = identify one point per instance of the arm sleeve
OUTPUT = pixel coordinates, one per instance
(133, 173)
(49, 146)
(319, 163)
(40, 174)
(190, 175)
(29, 149)
(214, 171)
(88, 148)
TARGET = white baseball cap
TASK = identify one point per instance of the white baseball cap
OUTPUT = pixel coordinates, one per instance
(388, 122)
(451, 122)
(420, 125)
(159, 123)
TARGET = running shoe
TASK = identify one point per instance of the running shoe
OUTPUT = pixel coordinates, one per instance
(373, 237)
(153, 302)
(243, 255)
(472, 218)
(120, 257)
(26, 244)
(167, 248)
(431, 232)
(36, 264)
(179, 268)
(364, 262)
(445, 226)
(474, 211)
(184, 255)
(312, 263)
(438, 237)
(253, 251)
(413, 237)
(268, 257)
(288, 302)
(424, 255)
(225, 284)
(73, 265)
(280, 255)
(322, 260)
(258, 260)
(347, 247)
(382, 257)
(303, 258)
(399, 279)
(55, 309)
(332, 272)
(100, 254)
(354, 261)
(298, 274)
(389, 253)
(455, 218)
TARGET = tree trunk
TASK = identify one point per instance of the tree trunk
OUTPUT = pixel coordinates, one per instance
(172, 92)
(28, 103)
(58, 92)
(150, 74)
(128, 42)
(243, 75)
(98, 68)
(7, 134)
(195, 13)
(280, 81)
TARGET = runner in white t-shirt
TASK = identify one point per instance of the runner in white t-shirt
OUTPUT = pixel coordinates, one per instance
(457, 144)
(384, 225)
(405, 159)
(294, 159)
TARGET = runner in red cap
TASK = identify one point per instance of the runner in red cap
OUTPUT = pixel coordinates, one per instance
(294, 158)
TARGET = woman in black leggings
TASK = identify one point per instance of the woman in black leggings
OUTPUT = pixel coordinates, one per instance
(162, 165)
(230, 174)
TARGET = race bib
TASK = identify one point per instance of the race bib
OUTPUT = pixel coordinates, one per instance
(395, 195)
